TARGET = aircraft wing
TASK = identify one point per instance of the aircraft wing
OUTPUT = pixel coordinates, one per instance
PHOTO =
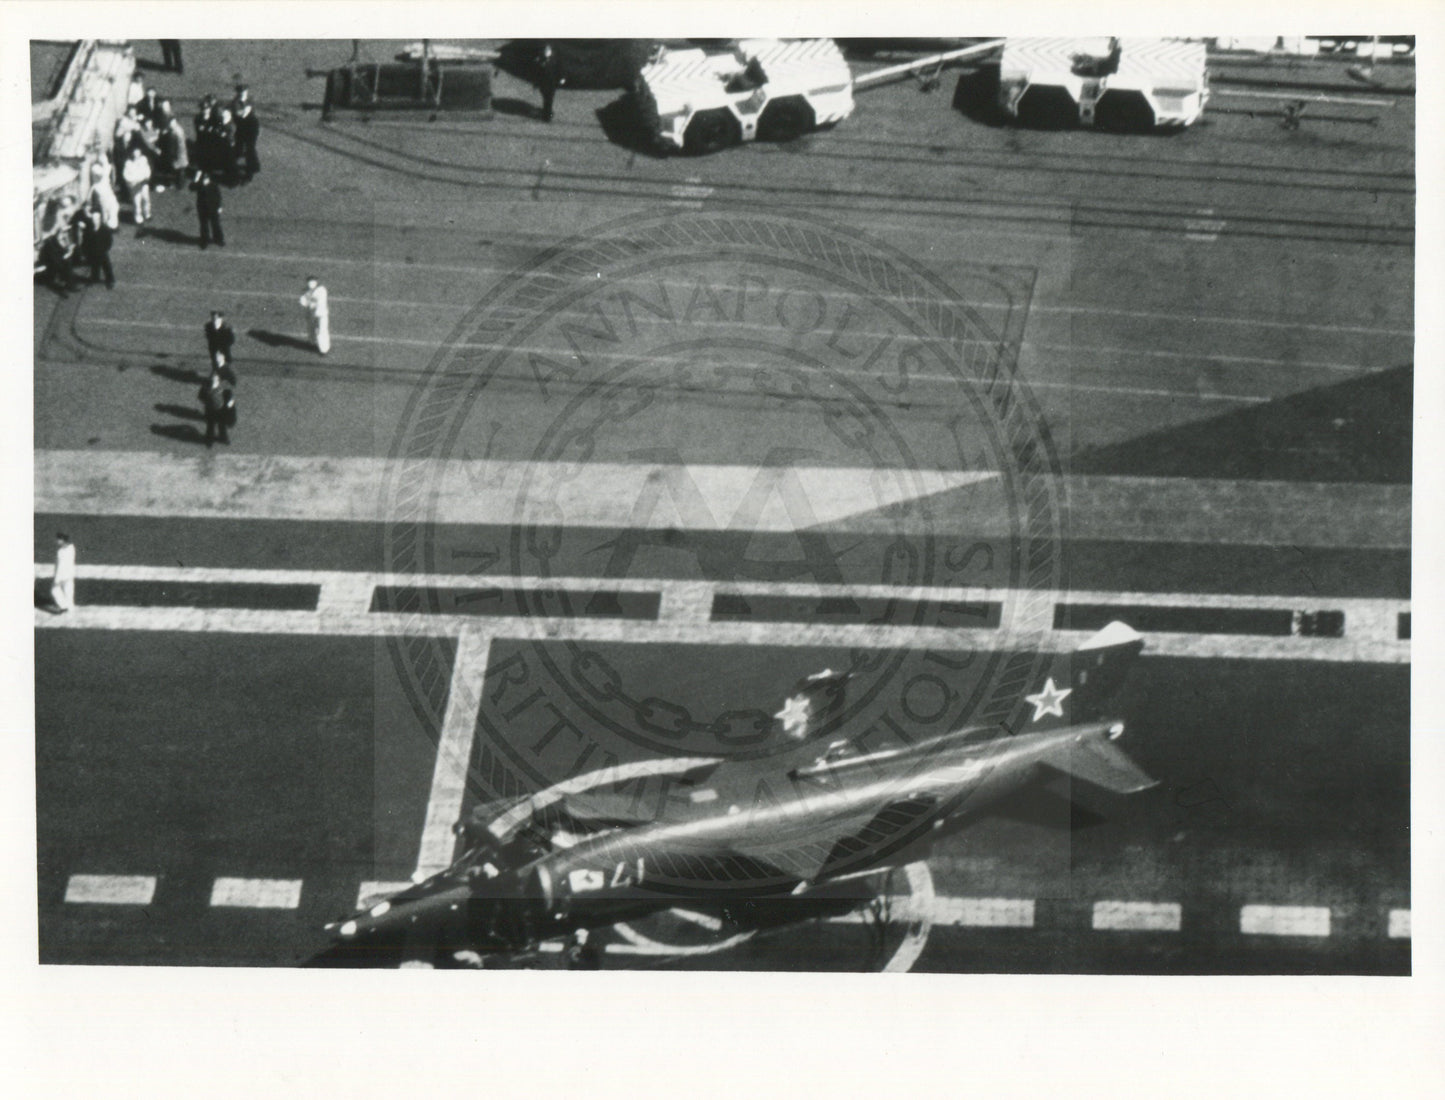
(839, 841)
(1100, 762)
(610, 808)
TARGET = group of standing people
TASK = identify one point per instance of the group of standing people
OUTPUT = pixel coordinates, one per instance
(218, 403)
(226, 137)
(217, 398)
(79, 235)
(149, 150)
(153, 152)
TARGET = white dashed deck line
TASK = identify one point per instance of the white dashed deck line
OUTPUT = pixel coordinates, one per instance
(360, 585)
(1399, 927)
(1137, 916)
(369, 893)
(691, 602)
(1284, 920)
(110, 889)
(984, 912)
(683, 632)
(454, 753)
(953, 912)
(256, 893)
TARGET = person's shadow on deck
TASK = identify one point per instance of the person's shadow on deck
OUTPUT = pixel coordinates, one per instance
(280, 340)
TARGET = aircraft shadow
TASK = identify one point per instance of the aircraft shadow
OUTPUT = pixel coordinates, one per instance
(1052, 809)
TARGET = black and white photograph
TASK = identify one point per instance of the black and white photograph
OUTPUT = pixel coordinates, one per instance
(779, 504)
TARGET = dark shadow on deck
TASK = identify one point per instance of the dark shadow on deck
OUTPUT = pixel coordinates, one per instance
(1359, 430)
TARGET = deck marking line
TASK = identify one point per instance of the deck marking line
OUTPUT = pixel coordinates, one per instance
(870, 636)
(1399, 927)
(984, 912)
(110, 889)
(454, 753)
(602, 494)
(1137, 916)
(1285, 920)
(1378, 613)
(256, 893)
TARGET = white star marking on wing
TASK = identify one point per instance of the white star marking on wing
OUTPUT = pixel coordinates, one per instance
(1048, 701)
(794, 714)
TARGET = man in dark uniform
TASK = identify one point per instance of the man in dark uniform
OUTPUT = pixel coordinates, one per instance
(549, 78)
(219, 407)
(96, 249)
(149, 108)
(207, 124)
(220, 339)
(208, 209)
(248, 130)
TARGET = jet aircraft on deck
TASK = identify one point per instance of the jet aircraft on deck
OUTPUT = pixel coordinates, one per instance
(634, 839)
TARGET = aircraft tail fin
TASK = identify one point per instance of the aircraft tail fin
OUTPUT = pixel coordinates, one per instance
(1077, 685)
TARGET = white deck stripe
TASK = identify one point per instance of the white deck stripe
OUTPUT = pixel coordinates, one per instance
(1399, 928)
(256, 893)
(1137, 916)
(110, 889)
(685, 608)
(599, 494)
(454, 753)
(984, 912)
(228, 621)
(1284, 920)
(844, 499)
(357, 588)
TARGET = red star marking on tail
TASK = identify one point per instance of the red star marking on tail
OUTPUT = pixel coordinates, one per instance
(1048, 701)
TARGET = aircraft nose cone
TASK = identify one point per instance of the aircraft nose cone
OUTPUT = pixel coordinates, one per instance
(402, 914)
